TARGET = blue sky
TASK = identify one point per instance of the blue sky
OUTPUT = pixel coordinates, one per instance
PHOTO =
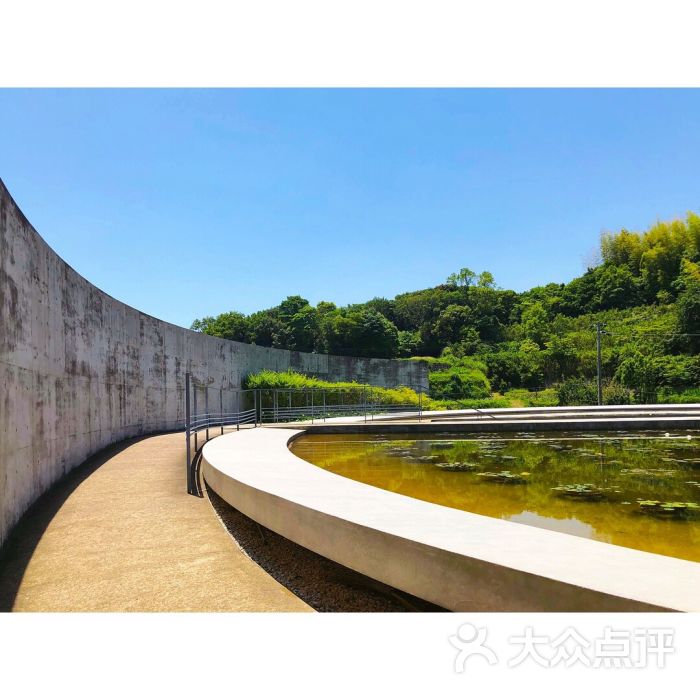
(186, 203)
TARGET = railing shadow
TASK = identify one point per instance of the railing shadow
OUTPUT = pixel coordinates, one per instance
(195, 480)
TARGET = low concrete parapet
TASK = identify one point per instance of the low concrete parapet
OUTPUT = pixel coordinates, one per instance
(458, 560)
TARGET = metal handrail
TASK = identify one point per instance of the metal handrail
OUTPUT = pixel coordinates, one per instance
(286, 405)
(197, 421)
(480, 411)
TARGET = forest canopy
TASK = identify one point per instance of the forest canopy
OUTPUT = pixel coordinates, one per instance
(646, 290)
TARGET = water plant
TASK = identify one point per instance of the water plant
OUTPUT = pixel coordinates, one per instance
(456, 466)
(583, 492)
(399, 452)
(668, 509)
(504, 477)
(649, 473)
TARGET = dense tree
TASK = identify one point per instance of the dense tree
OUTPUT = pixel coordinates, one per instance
(464, 278)
(688, 306)
(325, 307)
(470, 343)
(623, 248)
(534, 323)
(363, 333)
(459, 383)
(451, 324)
(267, 329)
(579, 296)
(230, 325)
(384, 306)
(491, 312)
(413, 309)
(645, 289)
(639, 373)
(290, 306)
(515, 365)
(616, 288)
(563, 358)
(409, 343)
(486, 280)
(304, 329)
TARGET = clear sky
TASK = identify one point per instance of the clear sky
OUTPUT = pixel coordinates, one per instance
(191, 202)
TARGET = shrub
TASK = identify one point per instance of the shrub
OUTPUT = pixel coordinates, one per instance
(453, 377)
(459, 383)
(353, 392)
(687, 396)
(446, 405)
(532, 399)
(583, 392)
(614, 394)
(577, 392)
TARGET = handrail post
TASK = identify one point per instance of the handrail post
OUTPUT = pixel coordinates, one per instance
(312, 406)
(238, 409)
(221, 408)
(187, 430)
(194, 397)
(324, 404)
(206, 409)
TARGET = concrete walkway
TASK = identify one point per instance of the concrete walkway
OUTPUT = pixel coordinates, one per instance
(121, 534)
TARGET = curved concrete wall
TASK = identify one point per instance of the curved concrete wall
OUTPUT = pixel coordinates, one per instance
(80, 370)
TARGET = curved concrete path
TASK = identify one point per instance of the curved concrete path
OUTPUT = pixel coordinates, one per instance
(121, 534)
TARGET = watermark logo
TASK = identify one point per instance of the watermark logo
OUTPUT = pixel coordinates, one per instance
(471, 641)
(613, 648)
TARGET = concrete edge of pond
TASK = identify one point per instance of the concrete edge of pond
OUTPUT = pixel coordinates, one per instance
(520, 425)
(458, 560)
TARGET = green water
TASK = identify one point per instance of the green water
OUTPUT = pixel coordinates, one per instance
(637, 490)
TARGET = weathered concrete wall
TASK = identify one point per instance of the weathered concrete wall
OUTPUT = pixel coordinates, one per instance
(80, 370)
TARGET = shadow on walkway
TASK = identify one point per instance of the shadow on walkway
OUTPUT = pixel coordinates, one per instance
(19, 547)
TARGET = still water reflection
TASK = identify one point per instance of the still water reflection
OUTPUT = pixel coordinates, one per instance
(637, 490)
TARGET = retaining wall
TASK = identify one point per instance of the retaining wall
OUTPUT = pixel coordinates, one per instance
(80, 370)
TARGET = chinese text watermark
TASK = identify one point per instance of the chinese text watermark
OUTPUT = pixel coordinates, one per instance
(612, 648)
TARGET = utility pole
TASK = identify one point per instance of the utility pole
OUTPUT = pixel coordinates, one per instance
(599, 332)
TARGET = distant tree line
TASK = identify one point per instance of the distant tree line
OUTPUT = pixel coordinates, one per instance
(646, 290)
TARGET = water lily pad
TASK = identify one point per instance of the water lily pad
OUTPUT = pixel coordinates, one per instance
(456, 466)
(584, 492)
(668, 509)
(504, 477)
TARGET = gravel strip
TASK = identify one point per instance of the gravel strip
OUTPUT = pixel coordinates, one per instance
(321, 583)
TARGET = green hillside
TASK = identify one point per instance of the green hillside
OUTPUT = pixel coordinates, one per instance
(494, 342)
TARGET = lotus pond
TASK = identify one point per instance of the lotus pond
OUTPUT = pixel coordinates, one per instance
(638, 490)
